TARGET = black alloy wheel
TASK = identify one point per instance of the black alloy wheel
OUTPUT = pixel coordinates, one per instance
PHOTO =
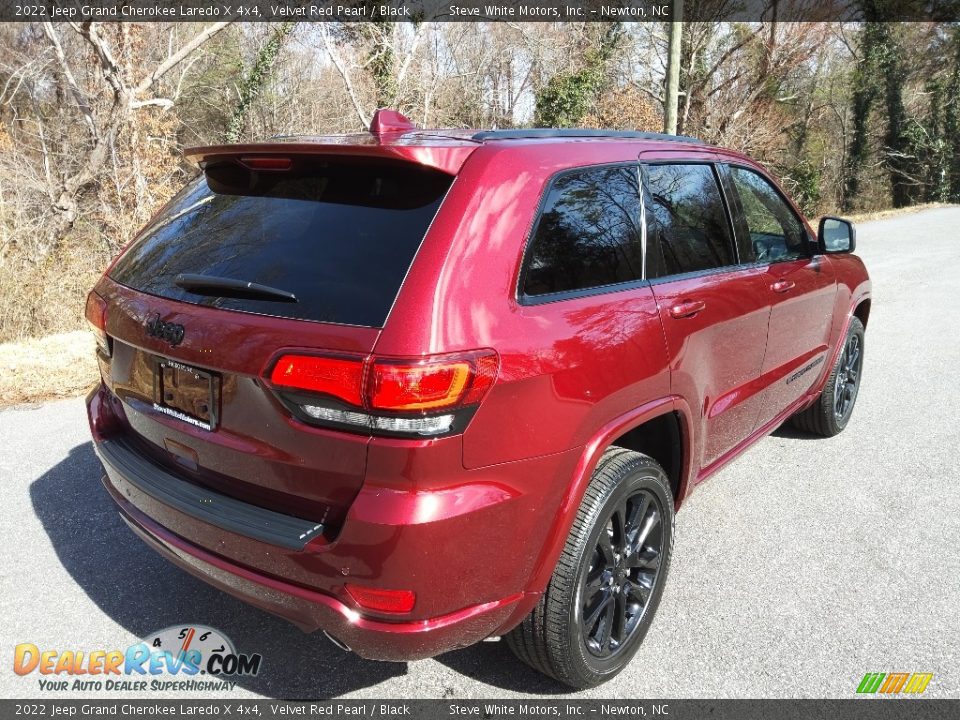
(831, 411)
(848, 379)
(617, 583)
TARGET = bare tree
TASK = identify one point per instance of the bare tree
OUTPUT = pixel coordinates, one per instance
(125, 94)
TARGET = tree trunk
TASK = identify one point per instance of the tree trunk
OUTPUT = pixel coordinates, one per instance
(865, 90)
(673, 71)
(900, 162)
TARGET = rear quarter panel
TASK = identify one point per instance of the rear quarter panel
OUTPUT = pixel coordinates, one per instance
(566, 368)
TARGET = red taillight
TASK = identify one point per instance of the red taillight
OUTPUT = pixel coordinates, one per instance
(394, 601)
(431, 384)
(340, 377)
(96, 311)
(96, 314)
(398, 396)
(426, 386)
(485, 367)
(392, 384)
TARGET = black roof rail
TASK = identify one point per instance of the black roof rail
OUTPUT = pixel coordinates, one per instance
(542, 133)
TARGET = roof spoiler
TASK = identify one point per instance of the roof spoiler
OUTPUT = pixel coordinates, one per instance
(389, 138)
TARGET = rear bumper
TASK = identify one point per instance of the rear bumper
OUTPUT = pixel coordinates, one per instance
(310, 610)
(467, 542)
(121, 459)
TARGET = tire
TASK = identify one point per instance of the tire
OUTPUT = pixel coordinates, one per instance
(825, 417)
(554, 639)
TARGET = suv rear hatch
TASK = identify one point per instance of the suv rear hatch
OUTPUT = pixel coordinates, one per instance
(271, 249)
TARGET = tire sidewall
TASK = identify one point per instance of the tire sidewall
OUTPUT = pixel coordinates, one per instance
(592, 669)
(856, 328)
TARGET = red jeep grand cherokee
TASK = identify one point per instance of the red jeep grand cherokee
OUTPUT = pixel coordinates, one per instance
(420, 388)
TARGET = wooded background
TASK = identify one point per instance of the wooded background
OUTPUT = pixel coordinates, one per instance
(93, 117)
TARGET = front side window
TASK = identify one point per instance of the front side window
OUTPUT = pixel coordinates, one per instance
(776, 233)
(687, 226)
(588, 234)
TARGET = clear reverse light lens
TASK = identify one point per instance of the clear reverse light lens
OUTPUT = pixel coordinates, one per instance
(420, 426)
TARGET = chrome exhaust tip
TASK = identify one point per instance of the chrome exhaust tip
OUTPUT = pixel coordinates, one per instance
(339, 643)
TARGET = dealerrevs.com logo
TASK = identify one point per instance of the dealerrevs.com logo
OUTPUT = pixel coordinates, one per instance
(178, 658)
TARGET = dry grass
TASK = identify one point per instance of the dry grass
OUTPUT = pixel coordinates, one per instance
(895, 212)
(56, 366)
(47, 296)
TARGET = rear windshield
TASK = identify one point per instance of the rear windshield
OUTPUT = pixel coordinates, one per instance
(339, 235)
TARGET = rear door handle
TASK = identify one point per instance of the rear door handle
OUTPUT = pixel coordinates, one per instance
(687, 308)
(782, 286)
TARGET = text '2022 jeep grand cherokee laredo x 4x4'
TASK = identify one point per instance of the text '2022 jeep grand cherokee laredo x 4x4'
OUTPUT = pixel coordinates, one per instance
(421, 388)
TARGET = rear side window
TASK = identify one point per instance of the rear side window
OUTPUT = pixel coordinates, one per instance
(687, 228)
(776, 233)
(588, 233)
(339, 235)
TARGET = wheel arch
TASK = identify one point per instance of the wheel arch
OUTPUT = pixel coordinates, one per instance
(661, 438)
(652, 412)
(655, 412)
(862, 310)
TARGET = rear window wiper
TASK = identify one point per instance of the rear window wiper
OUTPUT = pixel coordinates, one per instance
(229, 287)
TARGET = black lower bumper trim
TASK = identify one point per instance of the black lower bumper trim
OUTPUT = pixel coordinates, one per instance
(122, 459)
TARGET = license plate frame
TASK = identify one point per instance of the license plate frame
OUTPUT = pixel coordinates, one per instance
(186, 393)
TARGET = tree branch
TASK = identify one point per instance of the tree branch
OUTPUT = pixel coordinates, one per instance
(165, 103)
(111, 71)
(348, 83)
(175, 59)
(405, 66)
(71, 80)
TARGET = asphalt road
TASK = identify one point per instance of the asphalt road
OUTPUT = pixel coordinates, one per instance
(797, 569)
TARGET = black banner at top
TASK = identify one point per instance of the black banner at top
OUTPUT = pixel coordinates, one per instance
(476, 10)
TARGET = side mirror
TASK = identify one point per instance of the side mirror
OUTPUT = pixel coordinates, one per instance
(837, 235)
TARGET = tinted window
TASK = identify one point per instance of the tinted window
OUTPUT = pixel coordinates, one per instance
(588, 234)
(338, 235)
(687, 226)
(776, 233)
